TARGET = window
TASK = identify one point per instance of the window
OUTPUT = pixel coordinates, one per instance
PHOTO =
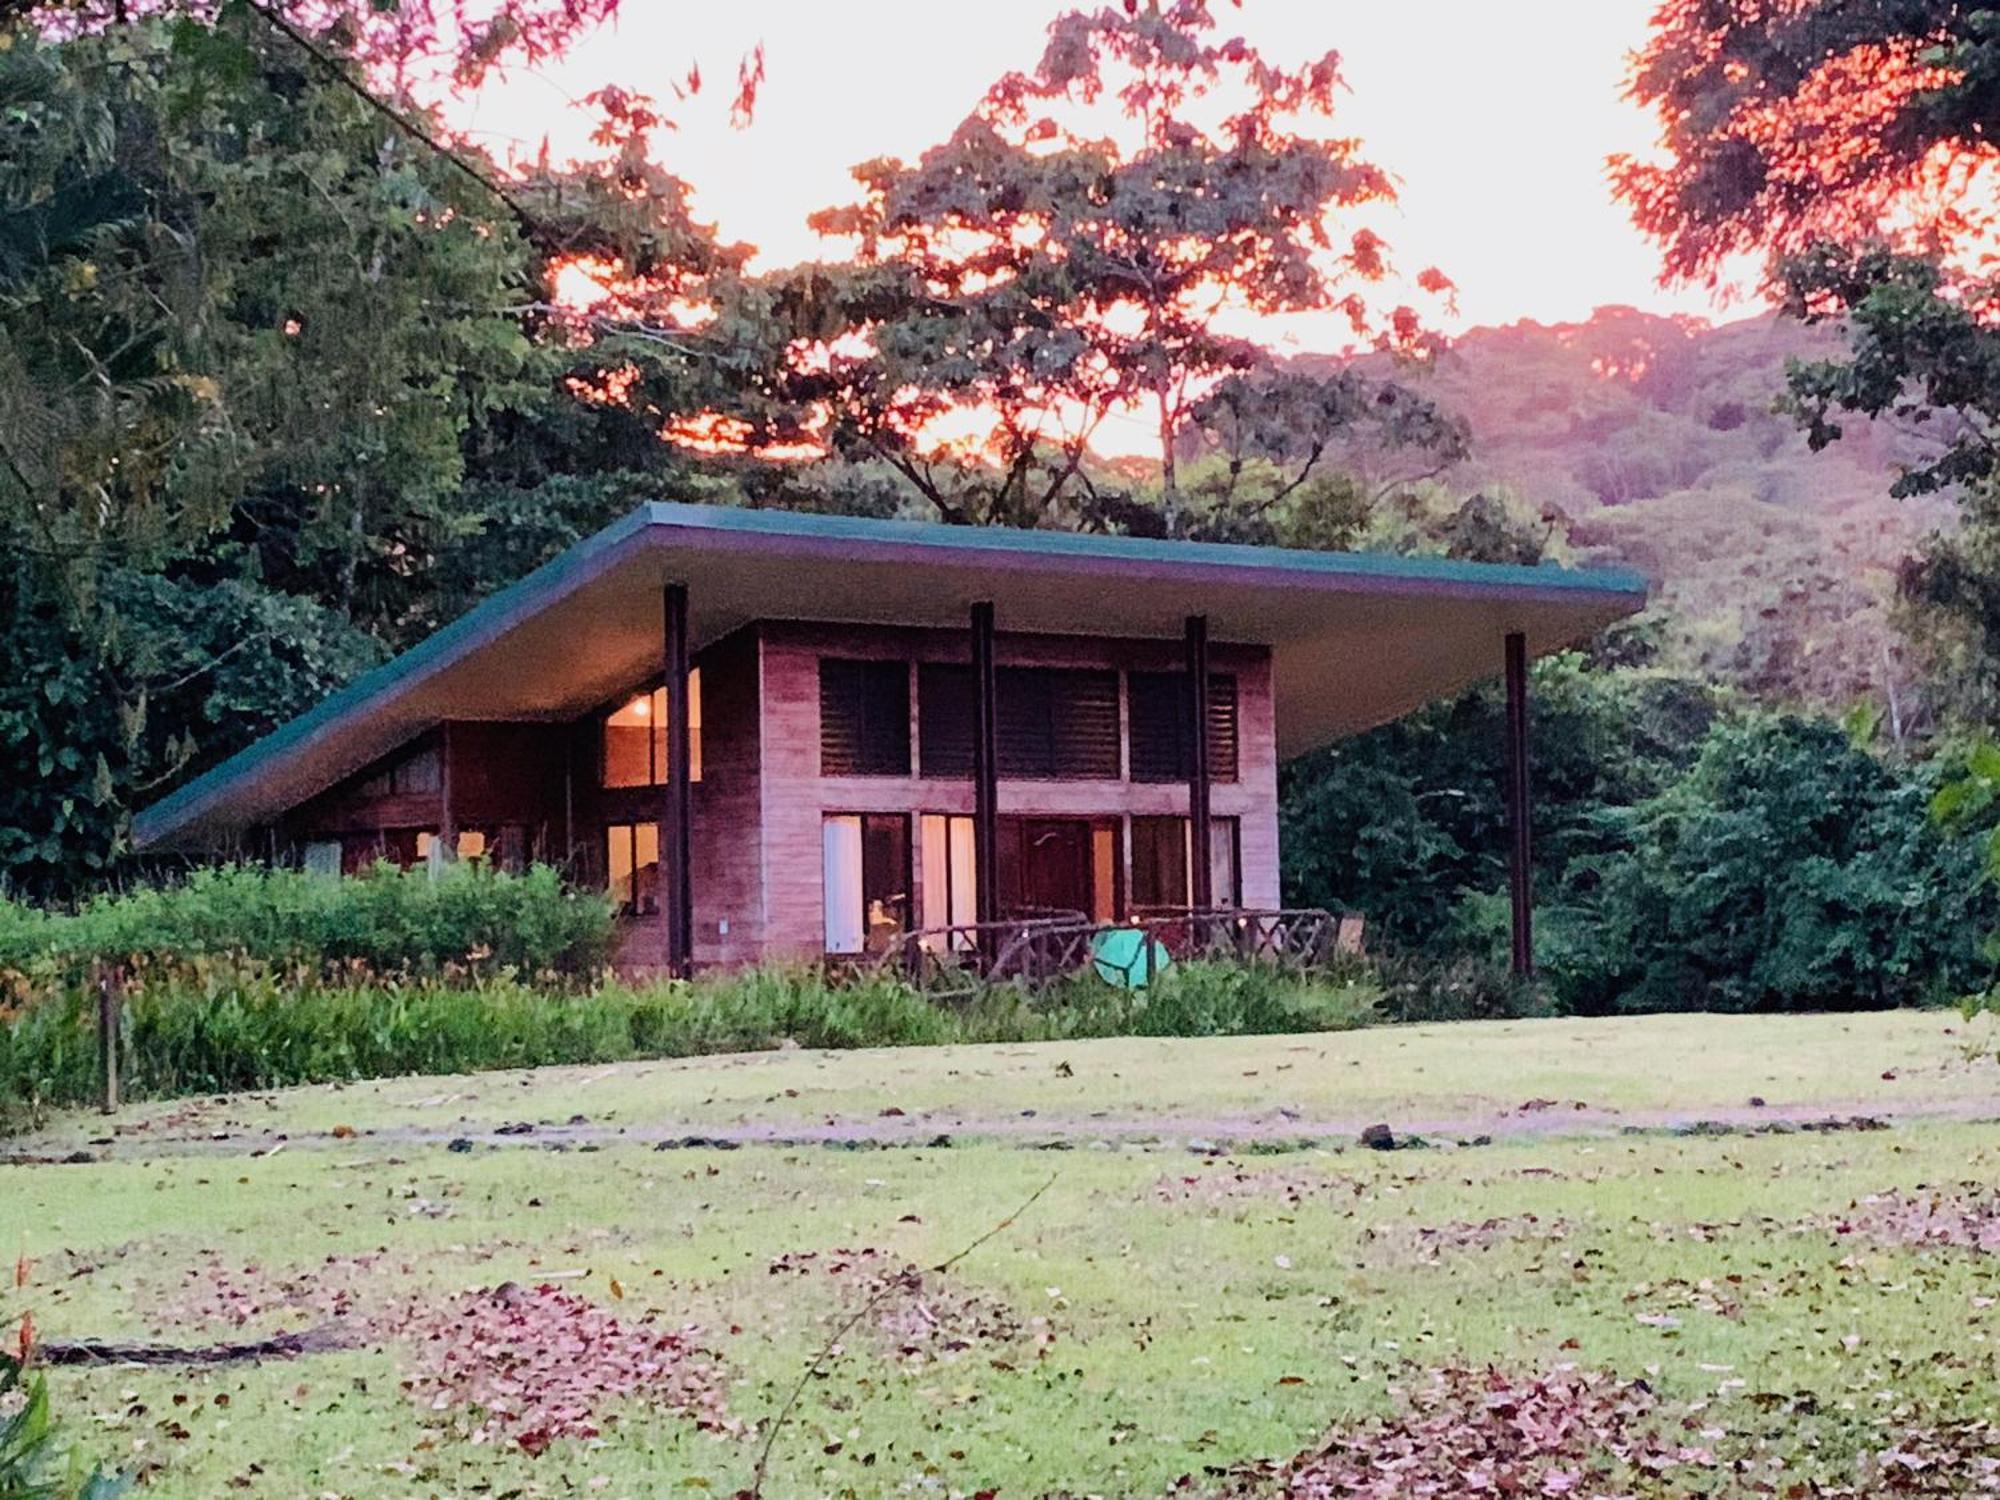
(864, 718)
(1162, 863)
(635, 738)
(866, 862)
(1159, 716)
(951, 877)
(632, 867)
(418, 774)
(322, 857)
(471, 844)
(944, 720)
(1053, 723)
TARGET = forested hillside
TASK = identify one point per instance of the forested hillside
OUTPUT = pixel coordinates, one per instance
(1660, 443)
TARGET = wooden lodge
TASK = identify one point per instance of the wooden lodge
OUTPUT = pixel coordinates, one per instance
(784, 736)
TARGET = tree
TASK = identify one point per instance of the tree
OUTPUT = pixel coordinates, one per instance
(1308, 457)
(1850, 146)
(1407, 823)
(275, 379)
(1789, 868)
(1791, 126)
(1086, 243)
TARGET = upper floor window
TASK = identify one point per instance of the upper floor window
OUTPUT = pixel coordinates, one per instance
(1053, 723)
(1158, 721)
(864, 718)
(635, 738)
(418, 774)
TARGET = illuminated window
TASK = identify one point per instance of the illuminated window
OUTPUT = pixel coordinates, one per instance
(632, 865)
(866, 865)
(471, 844)
(635, 738)
(951, 878)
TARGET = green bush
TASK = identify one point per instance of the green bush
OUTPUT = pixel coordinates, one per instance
(31, 1468)
(1790, 869)
(388, 921)
(228, 1024)
(1461, 987)
(1223, 999)
(1690, 854)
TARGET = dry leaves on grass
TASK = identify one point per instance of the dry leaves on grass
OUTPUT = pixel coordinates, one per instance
(531, 1365)
(1966, 1220)
(1238, 1184)
(217, 1292)
(916, 1313)
(1585, 1435)
(1430, 1243)
(1461, 1432)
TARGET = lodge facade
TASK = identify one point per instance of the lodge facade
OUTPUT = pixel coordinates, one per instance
(772, 736)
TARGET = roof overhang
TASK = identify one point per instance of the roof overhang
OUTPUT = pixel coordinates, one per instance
(1356, 638)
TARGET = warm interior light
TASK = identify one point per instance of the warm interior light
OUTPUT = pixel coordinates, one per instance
(640, 708)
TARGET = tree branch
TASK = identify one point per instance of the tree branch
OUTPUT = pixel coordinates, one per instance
(881, 1294)
(334, 69)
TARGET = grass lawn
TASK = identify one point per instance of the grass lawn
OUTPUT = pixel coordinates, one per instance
(483, 1256)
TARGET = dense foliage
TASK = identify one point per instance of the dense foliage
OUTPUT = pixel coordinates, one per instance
(1691, 853)
(386, 922)
(274, 378)
(286, 382)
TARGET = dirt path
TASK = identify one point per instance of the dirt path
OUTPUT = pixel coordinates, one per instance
(1028, 1129)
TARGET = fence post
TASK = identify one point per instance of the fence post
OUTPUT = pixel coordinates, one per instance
(109, 1005)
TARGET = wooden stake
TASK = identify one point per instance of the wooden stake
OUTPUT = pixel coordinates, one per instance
(109, 1005)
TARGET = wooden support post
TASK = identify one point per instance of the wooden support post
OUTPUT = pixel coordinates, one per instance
(446, 847)
(1201, 884)
(676, 813)
(985, 770)
(110, 1006)
(1520, 884)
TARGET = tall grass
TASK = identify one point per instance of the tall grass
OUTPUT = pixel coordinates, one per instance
(224, 1025)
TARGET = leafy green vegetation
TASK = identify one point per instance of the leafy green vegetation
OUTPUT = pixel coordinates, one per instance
(1692, 852)
(30, 1466)
(388, 921)
(228, 1024)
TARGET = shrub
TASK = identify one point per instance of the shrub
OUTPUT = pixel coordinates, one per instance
(1461, 987)
(1223, 999)
(1790, 869)
(228, 1024)
(389, 920)
(30, 1466)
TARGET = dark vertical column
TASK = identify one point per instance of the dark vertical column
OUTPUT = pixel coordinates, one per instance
(447, 804)
(676, 820)
(985, 766)
(1520, 885)
(1201, 887)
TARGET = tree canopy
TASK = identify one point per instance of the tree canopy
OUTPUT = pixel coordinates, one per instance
(1088, 242)
(1850, 146)
(268, 367)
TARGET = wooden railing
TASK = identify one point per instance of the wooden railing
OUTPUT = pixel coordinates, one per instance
(1029, 952)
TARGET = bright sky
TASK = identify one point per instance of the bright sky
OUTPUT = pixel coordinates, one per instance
(1496, 118)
